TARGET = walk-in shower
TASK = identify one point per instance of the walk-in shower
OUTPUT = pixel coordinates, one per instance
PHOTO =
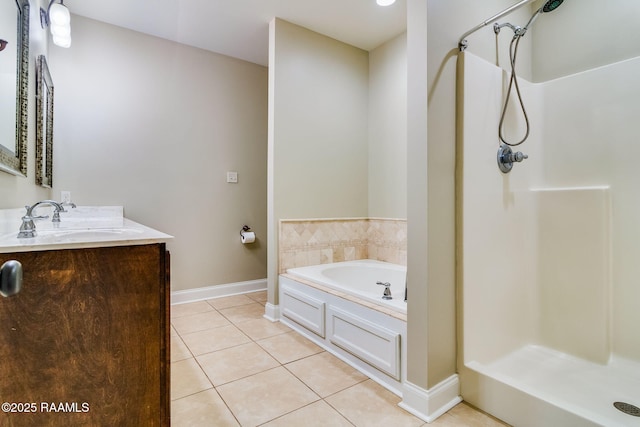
(547, 267)
(506, 157)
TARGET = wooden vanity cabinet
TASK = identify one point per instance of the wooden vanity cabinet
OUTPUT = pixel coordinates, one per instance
(86, 341)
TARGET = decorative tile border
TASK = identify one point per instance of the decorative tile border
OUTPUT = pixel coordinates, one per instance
(304, 242)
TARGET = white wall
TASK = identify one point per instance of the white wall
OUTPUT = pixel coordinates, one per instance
(154, 125)
(388, 129)
(582, 35)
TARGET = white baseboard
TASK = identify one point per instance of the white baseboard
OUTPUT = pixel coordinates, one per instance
(208, 292)
(272, 312)
(430, 404)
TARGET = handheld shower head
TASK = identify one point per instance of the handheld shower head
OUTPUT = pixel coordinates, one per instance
(549, 6)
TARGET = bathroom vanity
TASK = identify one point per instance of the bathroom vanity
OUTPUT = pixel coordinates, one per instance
(86, 340)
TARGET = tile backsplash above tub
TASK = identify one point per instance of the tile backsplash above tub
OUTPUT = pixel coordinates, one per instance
(304, 242)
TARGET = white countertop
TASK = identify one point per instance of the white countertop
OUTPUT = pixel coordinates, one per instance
(82, 227)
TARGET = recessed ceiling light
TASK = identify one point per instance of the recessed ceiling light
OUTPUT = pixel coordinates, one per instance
(385, 2)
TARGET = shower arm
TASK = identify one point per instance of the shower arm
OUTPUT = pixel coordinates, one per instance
(462, 44)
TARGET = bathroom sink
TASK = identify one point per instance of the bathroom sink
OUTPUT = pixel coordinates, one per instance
(89, 233)
(81, 227)
(66, 236)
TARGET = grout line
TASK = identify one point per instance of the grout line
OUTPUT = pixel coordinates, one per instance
(280, 364)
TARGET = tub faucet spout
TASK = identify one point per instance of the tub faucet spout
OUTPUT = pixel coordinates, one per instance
(28, 227)
(387, 292)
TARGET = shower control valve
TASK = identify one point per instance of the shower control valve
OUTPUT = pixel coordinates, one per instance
(506, 158)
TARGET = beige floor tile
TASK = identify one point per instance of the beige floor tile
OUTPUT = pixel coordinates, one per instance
(187, 378)
(262, 397)
(368, 404)
(204, 409)
(199, 322)
(260, 296)
(243, 313)
(325, 374)
(262, 328)
(472, 417)
(202, 342)
(289, 347)
(318, 414)
(179, 351)
(180, 310)
(230, 301)
(236, 362)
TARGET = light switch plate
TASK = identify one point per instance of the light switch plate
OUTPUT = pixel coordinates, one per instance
(232, 177)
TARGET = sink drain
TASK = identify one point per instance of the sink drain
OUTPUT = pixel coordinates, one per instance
(627, 408)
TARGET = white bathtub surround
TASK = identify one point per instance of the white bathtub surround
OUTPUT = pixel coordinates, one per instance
(357, 281)
(304, 242)
(339, 306)
(370, 335)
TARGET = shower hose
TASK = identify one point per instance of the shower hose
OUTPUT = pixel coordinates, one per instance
(513, 81)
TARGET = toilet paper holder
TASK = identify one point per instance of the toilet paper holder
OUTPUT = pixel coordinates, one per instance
(245, 228)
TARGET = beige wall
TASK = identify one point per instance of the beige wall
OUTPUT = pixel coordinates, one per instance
(154, 126)
(318, 155)
(320, 125)
(388, 129)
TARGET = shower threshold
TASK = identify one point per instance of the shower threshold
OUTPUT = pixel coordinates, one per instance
(586, 389)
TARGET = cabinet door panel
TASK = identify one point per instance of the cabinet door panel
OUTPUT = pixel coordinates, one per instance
(85, 336)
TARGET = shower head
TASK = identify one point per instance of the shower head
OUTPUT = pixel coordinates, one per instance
(549, 6)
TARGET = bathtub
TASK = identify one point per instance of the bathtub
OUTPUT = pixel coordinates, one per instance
(359, 279)
(339, 306)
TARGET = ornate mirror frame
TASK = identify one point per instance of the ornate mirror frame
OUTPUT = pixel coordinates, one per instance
(44, 124)
(15, 162)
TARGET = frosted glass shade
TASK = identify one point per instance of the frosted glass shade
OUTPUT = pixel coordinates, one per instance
(59, 14)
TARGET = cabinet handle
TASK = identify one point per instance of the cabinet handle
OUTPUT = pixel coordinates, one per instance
(10, 278)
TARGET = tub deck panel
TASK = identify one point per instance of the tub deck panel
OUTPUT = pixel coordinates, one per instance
(303, 309)
(365, 335)
(370, 342)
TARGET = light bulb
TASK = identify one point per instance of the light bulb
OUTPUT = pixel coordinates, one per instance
(61, 30)
(59, 14)
(62, 41)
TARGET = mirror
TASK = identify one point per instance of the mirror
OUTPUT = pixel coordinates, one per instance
(14, 85)
(44, 124)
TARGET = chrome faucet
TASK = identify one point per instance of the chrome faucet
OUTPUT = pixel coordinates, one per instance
(387, 292)
(28, 227)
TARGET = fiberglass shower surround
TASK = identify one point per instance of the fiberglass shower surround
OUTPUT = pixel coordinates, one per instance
(548, 256)
(506, 157)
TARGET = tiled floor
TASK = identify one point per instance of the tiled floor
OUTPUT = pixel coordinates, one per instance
(232, 367)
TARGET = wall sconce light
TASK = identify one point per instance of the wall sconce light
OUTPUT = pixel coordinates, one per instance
(58, 18)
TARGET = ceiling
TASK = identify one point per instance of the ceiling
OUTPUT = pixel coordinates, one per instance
(240, 28)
